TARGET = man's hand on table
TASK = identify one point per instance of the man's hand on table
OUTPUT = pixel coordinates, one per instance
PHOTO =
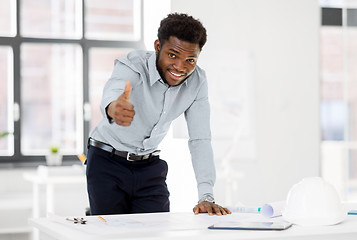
(210, 208)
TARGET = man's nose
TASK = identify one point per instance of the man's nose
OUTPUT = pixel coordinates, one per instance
(179, 65)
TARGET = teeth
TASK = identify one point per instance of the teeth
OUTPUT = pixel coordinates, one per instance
(177, 75)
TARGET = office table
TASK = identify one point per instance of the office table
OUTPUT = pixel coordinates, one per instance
(174, 226)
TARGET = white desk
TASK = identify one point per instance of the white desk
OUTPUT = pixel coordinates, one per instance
(178, 226)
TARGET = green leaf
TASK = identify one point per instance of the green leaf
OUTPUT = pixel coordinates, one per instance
(4, 134)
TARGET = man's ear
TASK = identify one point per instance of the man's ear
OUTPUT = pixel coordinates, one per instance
(157, 46)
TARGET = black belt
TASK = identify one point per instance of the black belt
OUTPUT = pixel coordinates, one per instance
(127, 155)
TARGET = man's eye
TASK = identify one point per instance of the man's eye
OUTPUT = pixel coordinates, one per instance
(191, 60)
(171, 55)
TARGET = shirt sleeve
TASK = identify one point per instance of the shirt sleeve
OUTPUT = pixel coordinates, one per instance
(198, 123)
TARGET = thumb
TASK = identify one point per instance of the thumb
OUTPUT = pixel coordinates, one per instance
(127, 91)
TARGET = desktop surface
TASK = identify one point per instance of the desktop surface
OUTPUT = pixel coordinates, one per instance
(174, 226)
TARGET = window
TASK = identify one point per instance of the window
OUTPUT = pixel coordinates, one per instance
(339, 96)
(112, 19)
(51, 19)
(51, 99)
(53, 69)
(6, 100)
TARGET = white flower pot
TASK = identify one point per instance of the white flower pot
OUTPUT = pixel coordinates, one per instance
(54, 159)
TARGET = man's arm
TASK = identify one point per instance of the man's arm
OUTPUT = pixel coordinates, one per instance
(198, 123)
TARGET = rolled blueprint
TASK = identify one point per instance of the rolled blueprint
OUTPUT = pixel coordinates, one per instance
(274, 209)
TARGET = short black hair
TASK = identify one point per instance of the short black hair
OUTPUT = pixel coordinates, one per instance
(184, 27)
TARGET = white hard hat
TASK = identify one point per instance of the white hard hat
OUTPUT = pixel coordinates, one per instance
(313, 202)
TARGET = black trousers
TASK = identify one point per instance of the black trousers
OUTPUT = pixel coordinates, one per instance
(118, 186)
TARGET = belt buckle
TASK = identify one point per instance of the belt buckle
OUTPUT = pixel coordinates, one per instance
(128, 157)
(155, 153)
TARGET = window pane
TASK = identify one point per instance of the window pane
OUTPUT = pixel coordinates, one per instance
(352, 17)
(51, 100)
(331, 16)
(333, 106)
(101, 63)
(113, 19)
(352, 172)
(6, 102)
(7, 18)
(352, 82)
(51, 19)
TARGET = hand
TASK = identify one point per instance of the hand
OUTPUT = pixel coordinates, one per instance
(210, 208)
(121, 110)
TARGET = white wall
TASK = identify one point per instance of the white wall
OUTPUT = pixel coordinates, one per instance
(282, 38)
(154, 12)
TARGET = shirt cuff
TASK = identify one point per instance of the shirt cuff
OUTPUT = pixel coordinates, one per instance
(205, 189)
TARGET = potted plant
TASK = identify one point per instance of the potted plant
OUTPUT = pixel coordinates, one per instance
(4, 134)
(54, 158)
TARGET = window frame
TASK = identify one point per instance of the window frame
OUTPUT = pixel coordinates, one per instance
(19, 160)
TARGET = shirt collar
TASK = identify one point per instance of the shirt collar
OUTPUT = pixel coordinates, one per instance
(154, 74)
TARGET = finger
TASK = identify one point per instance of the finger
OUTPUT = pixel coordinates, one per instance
(196, 210)
(227, 210)
(124, 121)
(126, 105)
(125, 124)
(223, 211)
(126, 113)
(209, 210)
(127, 91)
(217, 210)
(125, 116)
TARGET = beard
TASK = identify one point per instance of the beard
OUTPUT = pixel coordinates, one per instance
(160, 69)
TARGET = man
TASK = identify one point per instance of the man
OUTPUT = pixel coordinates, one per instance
(146, 92)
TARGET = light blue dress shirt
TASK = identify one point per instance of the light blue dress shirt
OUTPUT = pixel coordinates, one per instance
(156, 105)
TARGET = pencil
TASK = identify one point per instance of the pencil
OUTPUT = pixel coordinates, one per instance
(82, 158)
(102, 219)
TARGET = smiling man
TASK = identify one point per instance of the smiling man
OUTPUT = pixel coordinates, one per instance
(146, 92)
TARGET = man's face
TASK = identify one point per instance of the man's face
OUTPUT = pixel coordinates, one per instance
(176, 60)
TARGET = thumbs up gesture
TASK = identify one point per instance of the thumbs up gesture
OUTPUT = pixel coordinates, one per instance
(121, 110)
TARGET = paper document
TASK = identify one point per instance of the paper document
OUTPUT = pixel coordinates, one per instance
(132, 223)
